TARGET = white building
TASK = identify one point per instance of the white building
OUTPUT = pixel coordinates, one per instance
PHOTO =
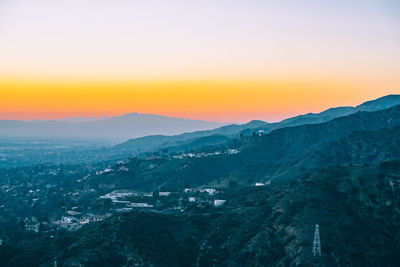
(210, 191)
(32, 227)
(219, 202)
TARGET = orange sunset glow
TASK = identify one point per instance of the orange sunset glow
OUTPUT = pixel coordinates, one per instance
(234, 100)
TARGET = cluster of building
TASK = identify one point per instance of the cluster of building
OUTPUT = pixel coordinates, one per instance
(205, 154)
(74, 220)
(76, 212)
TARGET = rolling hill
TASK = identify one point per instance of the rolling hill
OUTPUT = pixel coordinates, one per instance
(154, 143)
(363, 137)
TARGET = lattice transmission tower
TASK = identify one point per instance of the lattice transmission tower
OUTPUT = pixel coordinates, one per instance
(316, 250)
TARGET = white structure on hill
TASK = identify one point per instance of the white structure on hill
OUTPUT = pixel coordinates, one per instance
(219, 202)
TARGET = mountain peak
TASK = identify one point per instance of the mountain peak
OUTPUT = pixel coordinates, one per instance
(380, 103)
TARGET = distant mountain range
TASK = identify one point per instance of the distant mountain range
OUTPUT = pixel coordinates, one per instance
(120, 127)
(82, 119)
(153, 132)
(189, 141)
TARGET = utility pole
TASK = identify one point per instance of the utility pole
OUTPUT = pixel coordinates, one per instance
(316, 250)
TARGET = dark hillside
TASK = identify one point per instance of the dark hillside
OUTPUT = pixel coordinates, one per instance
(357, 208)
(365, 137)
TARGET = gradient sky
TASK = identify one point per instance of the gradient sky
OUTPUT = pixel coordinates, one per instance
(214, 60)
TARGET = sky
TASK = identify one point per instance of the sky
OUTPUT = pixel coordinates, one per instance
(220, 60)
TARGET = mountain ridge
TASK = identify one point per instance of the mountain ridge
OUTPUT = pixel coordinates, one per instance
(233, 131)
(268, 157)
